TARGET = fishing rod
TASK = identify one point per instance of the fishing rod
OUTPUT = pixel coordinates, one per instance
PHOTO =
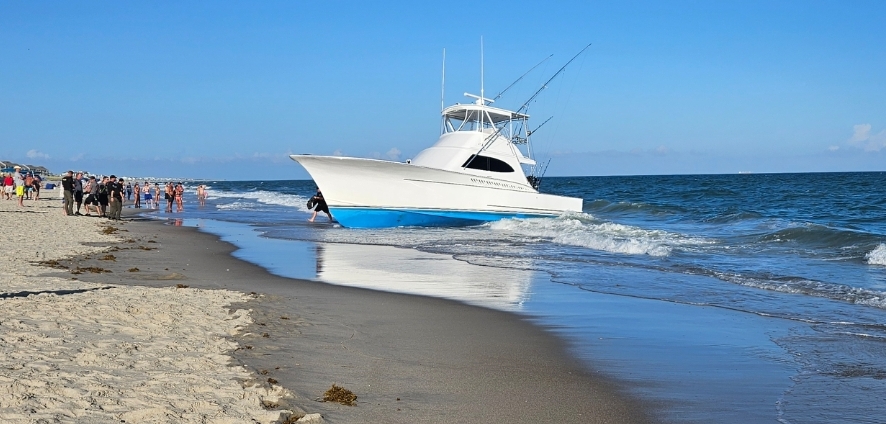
(545, 85)
(530, 132)
(492, 136)
(521, 77)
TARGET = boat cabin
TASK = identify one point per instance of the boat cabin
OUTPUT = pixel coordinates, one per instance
(481, 140)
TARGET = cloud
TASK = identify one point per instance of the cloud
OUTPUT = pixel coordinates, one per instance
(834, 148)
(863, 138)
(337, 152)
(35, 154)
(393, 154)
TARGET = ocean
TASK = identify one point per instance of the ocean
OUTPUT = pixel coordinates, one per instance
(717, 298)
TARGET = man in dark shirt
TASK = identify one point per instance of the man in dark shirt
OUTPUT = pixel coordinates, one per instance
(115, 192)
(68, 192)
(103, 197)
(78, 191)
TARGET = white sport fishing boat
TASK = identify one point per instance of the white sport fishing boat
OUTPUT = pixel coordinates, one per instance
(471, 175)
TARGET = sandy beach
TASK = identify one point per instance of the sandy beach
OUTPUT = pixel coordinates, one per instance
(180, 331)
(75, 351)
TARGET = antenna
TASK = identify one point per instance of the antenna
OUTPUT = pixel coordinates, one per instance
(545, 85)
(443, 84)
(481, 67)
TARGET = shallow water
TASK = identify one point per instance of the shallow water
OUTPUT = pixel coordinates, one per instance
(725, 298)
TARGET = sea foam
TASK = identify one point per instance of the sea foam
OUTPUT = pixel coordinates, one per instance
(261, 196)
(877, 256)
(584, 230)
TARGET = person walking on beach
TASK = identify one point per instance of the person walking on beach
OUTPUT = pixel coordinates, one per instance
(136, 191)
(78, 191)
(319, 205)
(128, 190)
(68, 192)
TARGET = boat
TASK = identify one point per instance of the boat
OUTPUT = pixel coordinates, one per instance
(473, 174)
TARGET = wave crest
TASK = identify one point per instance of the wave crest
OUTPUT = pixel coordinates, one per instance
(877, 256)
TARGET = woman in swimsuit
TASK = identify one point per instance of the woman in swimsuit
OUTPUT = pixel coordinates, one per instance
(157, 196)
(179, 193)
(136, 191)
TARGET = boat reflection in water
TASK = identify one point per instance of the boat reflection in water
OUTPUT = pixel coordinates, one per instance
(410, 271)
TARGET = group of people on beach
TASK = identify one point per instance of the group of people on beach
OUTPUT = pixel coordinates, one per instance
(21, 186)
(104, 194)
(108, 194)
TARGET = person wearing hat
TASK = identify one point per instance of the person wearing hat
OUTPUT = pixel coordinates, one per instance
(68, 192)
(19, 185)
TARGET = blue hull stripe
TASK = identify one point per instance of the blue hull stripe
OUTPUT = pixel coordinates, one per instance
(383, 218)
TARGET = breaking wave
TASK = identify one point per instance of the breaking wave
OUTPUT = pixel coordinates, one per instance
(259, 197)
(585, 231)
(877, 256)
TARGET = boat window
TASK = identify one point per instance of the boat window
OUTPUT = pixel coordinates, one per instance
(486, 163)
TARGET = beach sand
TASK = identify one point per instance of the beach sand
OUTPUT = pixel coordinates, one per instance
(75, 351)
(130, 344)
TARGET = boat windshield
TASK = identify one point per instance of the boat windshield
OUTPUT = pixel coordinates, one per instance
(477, 117)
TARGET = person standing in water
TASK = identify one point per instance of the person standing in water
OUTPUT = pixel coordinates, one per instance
(319, 205)
(149, 198)
(136, 191)
(201, 194)
(179, 196)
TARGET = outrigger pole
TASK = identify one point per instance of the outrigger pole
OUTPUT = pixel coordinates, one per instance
(492, 136)
(521, 77)
(545, 85)
(525, 105)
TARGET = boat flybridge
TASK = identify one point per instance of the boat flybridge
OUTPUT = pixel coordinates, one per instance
(473, 174)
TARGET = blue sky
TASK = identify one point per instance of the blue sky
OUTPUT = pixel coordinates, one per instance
(229, 89)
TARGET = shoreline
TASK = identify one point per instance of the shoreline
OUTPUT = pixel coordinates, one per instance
(408, 358)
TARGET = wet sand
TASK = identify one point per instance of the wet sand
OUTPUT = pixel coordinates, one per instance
(407, 358)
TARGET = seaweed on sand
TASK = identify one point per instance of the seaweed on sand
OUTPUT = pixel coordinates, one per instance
(341, 395)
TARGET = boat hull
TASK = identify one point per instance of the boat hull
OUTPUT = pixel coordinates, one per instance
(367, 193)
